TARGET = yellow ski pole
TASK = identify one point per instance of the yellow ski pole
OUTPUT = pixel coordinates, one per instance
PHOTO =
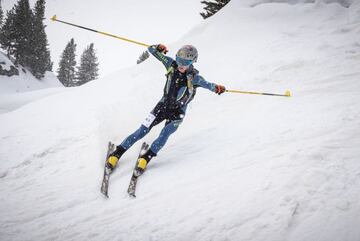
(287, 93)
(54, 18)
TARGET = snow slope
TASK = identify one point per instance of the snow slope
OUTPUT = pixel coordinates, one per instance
(240, 167)
(18, 90)
(25, 81)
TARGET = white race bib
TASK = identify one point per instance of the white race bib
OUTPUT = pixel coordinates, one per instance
(149, 120)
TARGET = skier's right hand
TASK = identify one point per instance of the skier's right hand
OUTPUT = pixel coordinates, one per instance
(162, 48)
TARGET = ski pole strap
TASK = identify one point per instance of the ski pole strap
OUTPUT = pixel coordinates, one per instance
(287, 93)
(54, 18)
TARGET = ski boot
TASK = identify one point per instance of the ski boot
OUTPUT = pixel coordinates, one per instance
(142, 163)
(114, 157)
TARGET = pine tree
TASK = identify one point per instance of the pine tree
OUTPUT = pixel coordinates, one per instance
(66, 71)
(143, 57)
(24, 30)
(88, 69)
(8, 33)
(23, 37)
(1, 14)
(213, 7)
(40, 52)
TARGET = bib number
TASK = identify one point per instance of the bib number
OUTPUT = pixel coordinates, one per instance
(148, 120)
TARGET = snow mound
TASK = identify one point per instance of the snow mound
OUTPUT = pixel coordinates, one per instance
(18, 90)
(25, 81)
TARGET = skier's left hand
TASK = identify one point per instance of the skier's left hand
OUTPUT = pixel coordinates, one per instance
(219, 89)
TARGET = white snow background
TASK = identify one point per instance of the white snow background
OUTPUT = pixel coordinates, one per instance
(240, 167)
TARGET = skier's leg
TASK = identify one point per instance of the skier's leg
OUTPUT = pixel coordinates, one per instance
(134, 137)
(150, 121)
(126, 144)
(145, 127)
(169, 128)
(174, 119)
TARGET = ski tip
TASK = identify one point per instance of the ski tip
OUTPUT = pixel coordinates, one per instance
(105, 196)
(132, 195)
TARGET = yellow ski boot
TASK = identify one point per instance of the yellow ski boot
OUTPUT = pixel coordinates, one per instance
(140, 166)
(112, 162)
(142, 162)
(114, 157)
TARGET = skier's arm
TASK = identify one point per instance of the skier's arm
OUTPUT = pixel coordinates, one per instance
(157, 51)
(200, 81)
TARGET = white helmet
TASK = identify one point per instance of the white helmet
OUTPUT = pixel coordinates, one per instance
(186, 55)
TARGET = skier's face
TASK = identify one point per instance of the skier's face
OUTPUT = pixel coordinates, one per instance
(183, 64)
(182, 69)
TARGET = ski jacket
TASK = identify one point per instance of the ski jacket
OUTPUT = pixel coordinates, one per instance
(180, 88)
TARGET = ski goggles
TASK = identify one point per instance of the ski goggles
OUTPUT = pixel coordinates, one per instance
(183, 62)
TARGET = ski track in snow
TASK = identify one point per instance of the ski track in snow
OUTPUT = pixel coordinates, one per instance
(240, 167)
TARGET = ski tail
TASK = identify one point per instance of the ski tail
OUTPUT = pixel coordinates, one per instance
(107, 171)
(133, 180)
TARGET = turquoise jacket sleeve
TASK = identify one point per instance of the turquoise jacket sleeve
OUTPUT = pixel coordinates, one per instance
(167, 61)
(200, 81)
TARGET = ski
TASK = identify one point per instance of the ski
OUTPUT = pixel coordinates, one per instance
(133, 180)
(107, 171)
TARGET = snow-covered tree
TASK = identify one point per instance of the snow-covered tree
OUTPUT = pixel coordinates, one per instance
(66, 71)
(88, 69)
(143, 57)
(16, 32)
(23, 33)
(41, 61)
(23, 37)
(212, 7)
(8, 33)
(1, 14)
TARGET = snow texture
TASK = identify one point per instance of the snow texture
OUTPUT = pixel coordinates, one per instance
(240, 167)
(18, 90)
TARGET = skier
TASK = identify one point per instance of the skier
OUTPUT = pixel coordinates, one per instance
(180, 89)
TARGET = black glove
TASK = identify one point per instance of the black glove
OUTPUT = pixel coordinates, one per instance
(162, 48)
(219, 89)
